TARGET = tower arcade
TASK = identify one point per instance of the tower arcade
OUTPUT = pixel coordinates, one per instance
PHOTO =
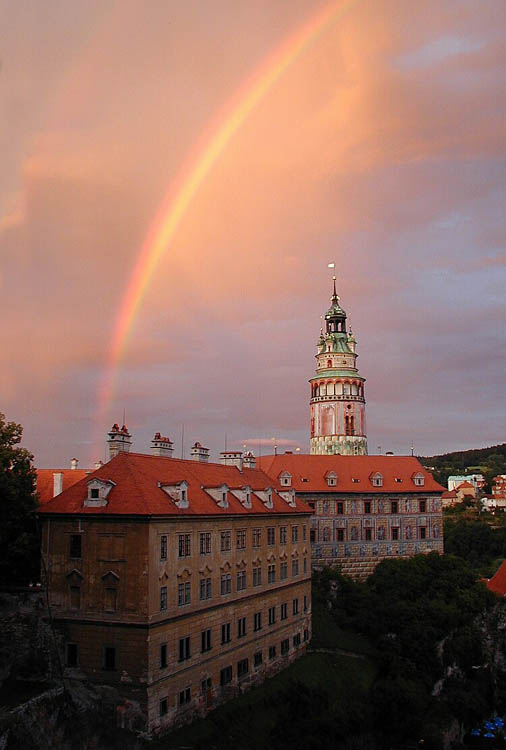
(337, 390)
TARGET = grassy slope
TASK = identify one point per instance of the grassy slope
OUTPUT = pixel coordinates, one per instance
(249, 720)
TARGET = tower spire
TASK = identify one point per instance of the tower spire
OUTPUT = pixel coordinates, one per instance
(335, 293)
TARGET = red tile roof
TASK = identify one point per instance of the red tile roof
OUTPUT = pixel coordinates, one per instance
(136, 489)
(465, 485)
(497, 583)
(45, 481)
(309, 471)
(449, 493)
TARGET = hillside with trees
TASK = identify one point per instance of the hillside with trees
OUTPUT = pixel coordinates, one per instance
(487, 461)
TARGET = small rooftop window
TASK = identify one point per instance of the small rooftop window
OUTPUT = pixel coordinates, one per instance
(377, 480)
(419, 479)
(355, 480)
(331, 479)
(398, 479)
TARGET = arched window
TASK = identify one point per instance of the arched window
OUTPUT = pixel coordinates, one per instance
(329, 363)
(353, 389)
(330, 389)
(346, 389)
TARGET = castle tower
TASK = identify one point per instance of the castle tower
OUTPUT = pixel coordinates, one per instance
(337, 390)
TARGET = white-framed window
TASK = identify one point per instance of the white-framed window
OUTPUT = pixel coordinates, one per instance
(377, 480)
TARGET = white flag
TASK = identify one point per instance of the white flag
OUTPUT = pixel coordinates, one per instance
(332, 265)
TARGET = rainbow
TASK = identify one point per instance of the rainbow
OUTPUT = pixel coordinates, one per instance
(183, 191)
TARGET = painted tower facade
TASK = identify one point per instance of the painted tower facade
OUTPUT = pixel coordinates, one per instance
(337, 390)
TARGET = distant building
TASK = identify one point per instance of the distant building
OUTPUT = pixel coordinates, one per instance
(179, 582)
(52, 482)
(497, 583)
(449, 499)
(499, 486)
(337, 401)
(476, 480)
(365, 508)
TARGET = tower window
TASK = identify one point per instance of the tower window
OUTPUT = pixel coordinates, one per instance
(329, 363)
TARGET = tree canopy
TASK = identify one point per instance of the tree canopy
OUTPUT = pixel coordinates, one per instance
(19, 547)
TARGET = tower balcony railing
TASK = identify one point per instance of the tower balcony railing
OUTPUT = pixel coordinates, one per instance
(336, 397)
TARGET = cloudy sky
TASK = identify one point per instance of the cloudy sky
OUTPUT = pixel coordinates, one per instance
(381, 147)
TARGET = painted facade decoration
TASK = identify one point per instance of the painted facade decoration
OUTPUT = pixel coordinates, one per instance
(337, 402)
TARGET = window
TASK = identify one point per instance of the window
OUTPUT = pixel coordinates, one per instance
(163, 547)
(257, 659)
(395, 533)
(205, 543)
(205, 640)
(283, 571)
(305, 603)
(286, 479)
(270, 536)
(241, 627)
(304, 533)
(419, 480)
(109, 658)
(183, 545)
(331, 479)
(377, 480)
(257, 621)
(163, 656)
(225, 633)
(295, 567)
(242, 668)
(164, 707)
(163, 598)
(225, 676)
(185, 696)
(272, 615)
(205, 685)
(340, 535)
(241, 539)
(305, 566)
(72, 655)
(296, 640)
(284, 611)
(110, 599)
(285, 646)
(257, 537)
(272, 652)
(241, 580)
(271, 573)
(394, 506)
(295, 607)
(422, 505)
(183, 594)
(368, 535)
(75, 597)
(184, 648)
(306, 634)
(367, 506)
(205, 588)
(225, 541)
(257, 576)
(423, 532)
(226, 584)
(94, 493)
(340, 508)
(282, 534)
(295, 534)
(75, 550)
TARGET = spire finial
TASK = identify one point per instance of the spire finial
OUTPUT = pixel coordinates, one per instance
(334, 280)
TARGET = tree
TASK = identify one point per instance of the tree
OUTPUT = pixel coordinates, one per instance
(19, 544)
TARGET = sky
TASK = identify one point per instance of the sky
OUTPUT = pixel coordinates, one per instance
(381, 146)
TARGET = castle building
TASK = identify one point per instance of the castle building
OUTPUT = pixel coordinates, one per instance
(180, 582)
(337, 402)
(365, 508)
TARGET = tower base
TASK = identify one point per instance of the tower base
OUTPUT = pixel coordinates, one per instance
(344, 445)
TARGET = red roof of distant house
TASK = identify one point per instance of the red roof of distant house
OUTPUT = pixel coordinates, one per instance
(497, 583)
(449, 494)
(137, 491)
(309, 473)
(45, 481)
(465, 485)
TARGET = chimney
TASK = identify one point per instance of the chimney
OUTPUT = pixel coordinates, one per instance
(199, 453)
(249, 460)
(98, 464)
(119, 441)
(161, 446)
(73, 463)
(231, 458)
(57, 482)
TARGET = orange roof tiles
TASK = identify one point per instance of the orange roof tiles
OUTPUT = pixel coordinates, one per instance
(497, 583)
(45, 481)
(136, 491)
(353, 473)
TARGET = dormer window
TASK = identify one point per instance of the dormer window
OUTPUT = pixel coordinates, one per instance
(94, 493)
(285, 479)
(183, 494)
(177, 492)
(98, 489)
(377, 480)
(419, 479)
(331, 479)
